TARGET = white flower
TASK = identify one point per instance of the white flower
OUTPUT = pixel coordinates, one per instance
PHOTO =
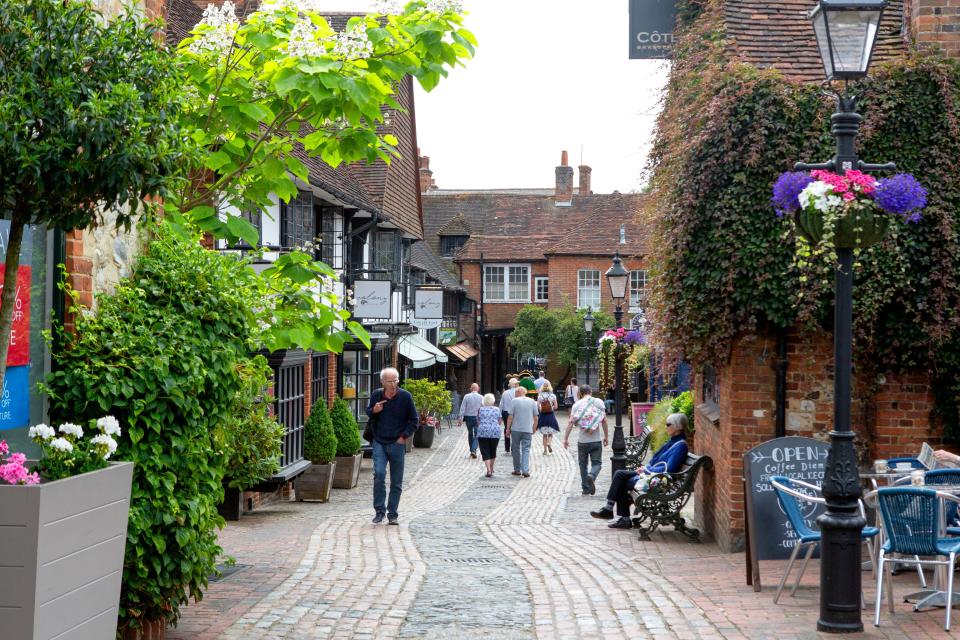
(389, 7)
(61, 444)
(443, 6)
(71, 429)
(109, 425)
(303, 41)
(103, 440)
(218, 38)
(353, 44)
(42, 431)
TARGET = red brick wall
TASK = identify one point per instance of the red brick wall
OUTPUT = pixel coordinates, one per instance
(79, 269)
(563, 278)
(894, 421)
(496, 315)
(934, 23)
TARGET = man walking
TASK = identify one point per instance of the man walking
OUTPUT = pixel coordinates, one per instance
(394, 418)
(539, 381)
(520, 427)
(588, 415)
(505, 399)
(469, 409)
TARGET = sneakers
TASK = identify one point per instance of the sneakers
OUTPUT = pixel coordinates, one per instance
(396, 521)
(591, 485)
(602, 514)
(621, 523)
(377, 519)
(473, 455)
(515, 473)
(526, 475)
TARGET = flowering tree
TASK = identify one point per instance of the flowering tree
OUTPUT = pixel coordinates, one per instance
(89, 115)
(283, 81)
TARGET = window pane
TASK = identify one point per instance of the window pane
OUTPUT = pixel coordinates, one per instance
(638, 286)
(542, 293)
(493, 288)
(588, 288)
(297, 221)
(450, 244)
(519, 283)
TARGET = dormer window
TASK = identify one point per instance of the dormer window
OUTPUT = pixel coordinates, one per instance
(450, 244)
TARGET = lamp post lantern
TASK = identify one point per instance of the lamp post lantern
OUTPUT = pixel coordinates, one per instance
(846, 31)
(617, 278)
(588, 322)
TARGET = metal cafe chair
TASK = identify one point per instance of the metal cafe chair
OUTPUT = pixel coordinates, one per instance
(941, 477)
(911, 520)
(914, 462)
(790, 492)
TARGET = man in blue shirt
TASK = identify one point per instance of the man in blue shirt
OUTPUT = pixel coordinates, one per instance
(396, 420)
(469, 409)
(669, 459)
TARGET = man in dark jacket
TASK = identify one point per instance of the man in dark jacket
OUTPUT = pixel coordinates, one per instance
(396, 419)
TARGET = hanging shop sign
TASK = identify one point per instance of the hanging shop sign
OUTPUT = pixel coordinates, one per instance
(447, 337)
(426, 323)
(651, 29)
(371, 299)
(428, 304)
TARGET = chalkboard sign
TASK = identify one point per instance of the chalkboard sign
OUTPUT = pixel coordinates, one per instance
(769, 532)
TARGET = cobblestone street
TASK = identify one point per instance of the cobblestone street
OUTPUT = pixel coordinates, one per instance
(500, 557)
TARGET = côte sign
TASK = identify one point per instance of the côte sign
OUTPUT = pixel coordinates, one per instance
(651, 28)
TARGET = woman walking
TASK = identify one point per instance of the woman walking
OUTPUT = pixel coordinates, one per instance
(488, 431)
(548, 425)
(571, 394)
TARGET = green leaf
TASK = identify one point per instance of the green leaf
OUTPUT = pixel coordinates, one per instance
(243, 229)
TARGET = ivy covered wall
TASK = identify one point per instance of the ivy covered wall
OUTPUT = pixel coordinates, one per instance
(728, 266)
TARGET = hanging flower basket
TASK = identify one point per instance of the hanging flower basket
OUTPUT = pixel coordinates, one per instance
(852, 211)
(616, 344)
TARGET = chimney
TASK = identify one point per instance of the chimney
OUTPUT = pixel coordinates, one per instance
(564, 188)
(585, 172)
(426, 176)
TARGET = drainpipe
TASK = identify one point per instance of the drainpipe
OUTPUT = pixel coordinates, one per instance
(781, 389)
(479, 326)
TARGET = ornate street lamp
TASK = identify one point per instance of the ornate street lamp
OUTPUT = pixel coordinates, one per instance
(617, 278)
(846, 32)
(588, 322)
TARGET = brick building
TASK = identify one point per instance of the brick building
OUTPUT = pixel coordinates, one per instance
(514, 247)
(737, 403)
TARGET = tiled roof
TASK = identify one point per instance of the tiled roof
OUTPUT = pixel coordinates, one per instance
(423, 258)
(456, 226)
(393, 190)
(599, 232)
(519, 248)
(778, 34)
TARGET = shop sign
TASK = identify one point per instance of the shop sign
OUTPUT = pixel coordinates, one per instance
(421, 323)
(428, 304)
(447, 337)
(15, 400)
(651, 28)
(19, 352)
(371, 299)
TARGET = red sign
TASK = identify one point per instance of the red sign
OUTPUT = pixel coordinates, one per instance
(19, 353)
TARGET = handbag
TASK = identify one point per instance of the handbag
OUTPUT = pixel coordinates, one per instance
(370, 430)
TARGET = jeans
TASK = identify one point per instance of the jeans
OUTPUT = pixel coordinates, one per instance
(594, 451)
(506, 440)
(520, 450)
(394, 454)
(623, 481)
(471, 422)
(609, 405)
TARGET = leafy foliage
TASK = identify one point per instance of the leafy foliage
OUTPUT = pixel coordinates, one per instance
(163, 354)
(430, 397)
(683, 403)
(319, 439)
(345, 428)
(89, 111)
(250, 439)
(657, 418)
(557, 334)
(729, 267)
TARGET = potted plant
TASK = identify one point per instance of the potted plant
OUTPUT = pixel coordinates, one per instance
(349, 457)
(249, 439)
(850, 211)
(67, 516)
(320, 448)
(432, 400)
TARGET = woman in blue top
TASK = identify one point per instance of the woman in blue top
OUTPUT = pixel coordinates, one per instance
(669, 459)
(488, 432)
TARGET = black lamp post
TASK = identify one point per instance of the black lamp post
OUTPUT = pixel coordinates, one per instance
(846, 32)
(617, 278)
(588, 321)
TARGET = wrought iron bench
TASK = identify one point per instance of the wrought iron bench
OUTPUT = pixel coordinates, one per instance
(667, 495)
(637, 447)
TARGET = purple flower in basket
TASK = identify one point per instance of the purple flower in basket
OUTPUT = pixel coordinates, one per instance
(787, 189)
(635, 337)
(901, 194)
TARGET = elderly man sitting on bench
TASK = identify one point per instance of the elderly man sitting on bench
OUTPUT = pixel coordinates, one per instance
(669, 459)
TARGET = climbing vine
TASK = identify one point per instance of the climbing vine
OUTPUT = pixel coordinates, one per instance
(727, 266)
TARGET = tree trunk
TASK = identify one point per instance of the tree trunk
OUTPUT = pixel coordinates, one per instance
(8, 298)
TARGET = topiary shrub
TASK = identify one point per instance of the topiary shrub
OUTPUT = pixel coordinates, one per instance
(345, 428)
(319, 439)
(162, 354)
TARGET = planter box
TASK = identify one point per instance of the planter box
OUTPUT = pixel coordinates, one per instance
(61, 555)
(423, 437)
(316, 482)
(347, 473)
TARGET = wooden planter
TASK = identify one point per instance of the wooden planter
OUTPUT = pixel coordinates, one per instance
(347, 474)
(61, 555)
(315, 483)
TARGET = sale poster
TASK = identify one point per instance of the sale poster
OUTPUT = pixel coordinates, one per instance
(15, 400)
(19, 353)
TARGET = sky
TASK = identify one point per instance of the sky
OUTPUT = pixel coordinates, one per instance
(548, 76)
